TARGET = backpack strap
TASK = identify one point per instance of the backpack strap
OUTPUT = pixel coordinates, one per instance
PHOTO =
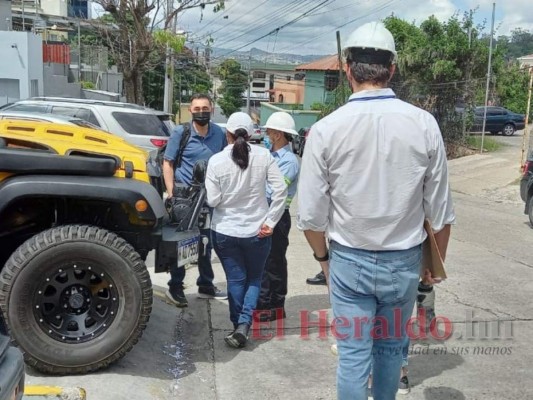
(183, 143)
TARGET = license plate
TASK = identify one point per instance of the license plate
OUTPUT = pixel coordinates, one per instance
(188, 251)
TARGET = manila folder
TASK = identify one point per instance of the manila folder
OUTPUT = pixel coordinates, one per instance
(431, 258)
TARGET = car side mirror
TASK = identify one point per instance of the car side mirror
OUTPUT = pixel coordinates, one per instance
(199, 171)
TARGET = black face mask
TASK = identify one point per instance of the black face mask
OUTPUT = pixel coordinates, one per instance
(201, 118)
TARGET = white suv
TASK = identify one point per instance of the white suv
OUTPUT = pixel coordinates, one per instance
(135, 124)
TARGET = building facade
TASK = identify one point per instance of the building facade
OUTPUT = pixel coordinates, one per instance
(321, 79)
(21, 66)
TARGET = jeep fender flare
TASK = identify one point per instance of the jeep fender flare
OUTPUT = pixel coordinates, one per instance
(116, 190)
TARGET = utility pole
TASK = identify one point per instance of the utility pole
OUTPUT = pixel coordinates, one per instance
(340, 90)
(488, 77)
(527, 134)
(167, 100)
(79, 50)
(249, 82)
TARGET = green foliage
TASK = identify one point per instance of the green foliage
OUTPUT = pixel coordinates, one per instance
(440, 65)
(234, 83)
(87, 85)
(512, 86)
(519, 44)
(165, 38)
(189, 77)
(489, 144)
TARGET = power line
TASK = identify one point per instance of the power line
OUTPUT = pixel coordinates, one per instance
(377, 9)
(215, 19)
(232, 22)
(289, 7)
(303, 15)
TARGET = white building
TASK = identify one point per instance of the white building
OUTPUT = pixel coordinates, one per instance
(526, 61)
(5, 15)
(21, 66)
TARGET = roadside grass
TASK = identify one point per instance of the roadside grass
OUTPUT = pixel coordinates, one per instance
(489, 144)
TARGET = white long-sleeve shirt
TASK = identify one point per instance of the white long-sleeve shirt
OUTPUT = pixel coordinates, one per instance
(372, 171)
(239, 197)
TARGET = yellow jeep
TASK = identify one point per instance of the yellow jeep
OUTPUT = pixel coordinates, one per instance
(80, 210)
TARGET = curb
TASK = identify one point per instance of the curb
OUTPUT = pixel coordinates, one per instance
(54, 392)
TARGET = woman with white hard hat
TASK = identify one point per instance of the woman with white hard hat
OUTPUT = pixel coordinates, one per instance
(243, 221)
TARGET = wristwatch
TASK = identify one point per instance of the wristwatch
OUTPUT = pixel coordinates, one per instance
(323, 258)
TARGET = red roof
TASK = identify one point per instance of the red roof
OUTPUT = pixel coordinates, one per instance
(329, 63)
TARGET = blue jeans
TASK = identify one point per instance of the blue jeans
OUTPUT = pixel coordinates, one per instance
(372, 295)
(205, 269)
(243, 260)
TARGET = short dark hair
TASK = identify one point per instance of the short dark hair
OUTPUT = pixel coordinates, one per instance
(376, 73)
(201, 96)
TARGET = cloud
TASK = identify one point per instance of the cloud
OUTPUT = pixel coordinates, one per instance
(242, 23)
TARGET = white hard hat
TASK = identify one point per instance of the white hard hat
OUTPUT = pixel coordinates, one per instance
(372, 36)
(240, 120)
(281, 121)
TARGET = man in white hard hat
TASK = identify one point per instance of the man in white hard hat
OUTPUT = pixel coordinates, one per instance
(372, 171)
(280, 128)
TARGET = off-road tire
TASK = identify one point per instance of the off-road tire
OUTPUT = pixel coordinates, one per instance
(38, 259)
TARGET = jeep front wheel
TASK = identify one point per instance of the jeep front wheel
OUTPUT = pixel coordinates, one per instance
(76, 297)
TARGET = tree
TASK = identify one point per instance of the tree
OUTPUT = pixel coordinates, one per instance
(189, 77)
(234, 83)
(138, 33)
(440, 65)
(512, 86)
(519, 44)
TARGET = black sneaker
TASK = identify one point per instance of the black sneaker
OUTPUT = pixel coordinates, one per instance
(211, 292)
(176, 296)
(238, 338)
(319, 279)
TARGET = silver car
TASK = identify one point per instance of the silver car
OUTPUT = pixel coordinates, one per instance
(136, 124)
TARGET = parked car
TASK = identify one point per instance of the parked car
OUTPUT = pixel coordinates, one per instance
(56, 119)
(498, 119)
(296, 143)
(11, 366)
(135, 124)
(258, 134)
(302, 133)
(167, 119)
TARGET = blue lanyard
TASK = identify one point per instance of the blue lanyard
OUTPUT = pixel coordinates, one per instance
(390, 96)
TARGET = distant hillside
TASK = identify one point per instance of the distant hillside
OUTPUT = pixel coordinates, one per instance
(263, 56)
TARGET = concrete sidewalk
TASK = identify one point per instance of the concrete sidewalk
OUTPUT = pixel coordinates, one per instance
(490, 275)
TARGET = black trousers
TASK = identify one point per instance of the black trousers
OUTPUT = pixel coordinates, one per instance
(274, 282)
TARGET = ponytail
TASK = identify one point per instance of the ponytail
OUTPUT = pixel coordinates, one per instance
(241, 150)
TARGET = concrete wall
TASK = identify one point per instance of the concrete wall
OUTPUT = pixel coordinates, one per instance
(292, 91)
(302, 118)
(21, 59)
(314, 88)
(55, 7)
(5, 15)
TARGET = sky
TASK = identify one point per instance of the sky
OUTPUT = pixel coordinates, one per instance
(243, 22)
